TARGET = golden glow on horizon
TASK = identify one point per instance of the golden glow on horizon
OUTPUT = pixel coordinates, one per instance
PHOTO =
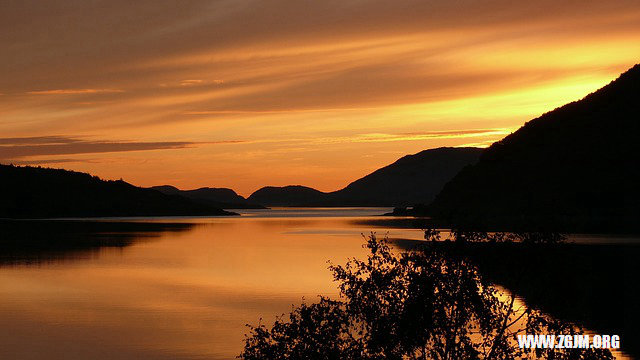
(320, 97)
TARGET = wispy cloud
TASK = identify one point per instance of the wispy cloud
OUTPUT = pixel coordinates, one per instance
(46, 161)
(483, 137)
(191, 82)
(480, 144)
(38, 140)
(266, 112)
(224, 142)
(73, 91)
(413, 136)
(17, 148)
(458, 133)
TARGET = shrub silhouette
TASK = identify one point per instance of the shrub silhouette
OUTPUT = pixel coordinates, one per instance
(427, 303)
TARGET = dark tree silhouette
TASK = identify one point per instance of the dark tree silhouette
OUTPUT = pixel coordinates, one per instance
(427, 303)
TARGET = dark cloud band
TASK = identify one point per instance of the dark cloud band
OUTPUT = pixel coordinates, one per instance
(16, 148)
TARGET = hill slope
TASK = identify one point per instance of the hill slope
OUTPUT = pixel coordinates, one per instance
(219, 197)
(413, 179)
(574, 168)
(292, 195)
(33, 192)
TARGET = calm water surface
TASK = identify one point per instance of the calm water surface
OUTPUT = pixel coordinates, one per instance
(179, 294)
(174, 288)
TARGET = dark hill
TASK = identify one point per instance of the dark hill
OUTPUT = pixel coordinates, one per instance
(167, 189)
(412, 179)
(575, 168)
(292, 195)
(219, 197)
(34, 192)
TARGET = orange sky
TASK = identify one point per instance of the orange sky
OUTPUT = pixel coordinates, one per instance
(247, 93)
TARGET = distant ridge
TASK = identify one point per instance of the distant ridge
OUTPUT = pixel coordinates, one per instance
(575, 168)
(34, 192)
(292, 195)
(413, 179)
(410, 180)
(219, 197)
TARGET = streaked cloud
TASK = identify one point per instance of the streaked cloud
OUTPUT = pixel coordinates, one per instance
(480, 144)
(46, 161)
(73, 91)
(459, 133)
(268, 112)
(17, 148)
(38, 140)
(190, 82)
(416, 136)
(85, 147)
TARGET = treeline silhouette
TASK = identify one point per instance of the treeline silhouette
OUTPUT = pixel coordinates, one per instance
(35, 192)
(572, 169)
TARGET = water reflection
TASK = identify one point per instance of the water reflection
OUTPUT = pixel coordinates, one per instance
(183, 288)
(591, 280)
(46, 241)
(186, 294)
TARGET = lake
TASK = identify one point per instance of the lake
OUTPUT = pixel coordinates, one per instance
(177, 292)
(171, 288)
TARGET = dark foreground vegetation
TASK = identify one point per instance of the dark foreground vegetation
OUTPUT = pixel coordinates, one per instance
(35, 192)
(430, 302)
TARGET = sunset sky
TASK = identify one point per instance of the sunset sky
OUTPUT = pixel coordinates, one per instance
(247, 93)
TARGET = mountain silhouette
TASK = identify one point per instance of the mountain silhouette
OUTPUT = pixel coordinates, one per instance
(292, 195)
(35, 192)
(574, 168)
(219, 197)
(410, 180)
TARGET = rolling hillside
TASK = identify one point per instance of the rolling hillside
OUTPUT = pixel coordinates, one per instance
(34, 192)
(576, 168)
(219, 197)
(413, 179)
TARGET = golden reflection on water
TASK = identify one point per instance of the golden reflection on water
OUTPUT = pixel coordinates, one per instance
(182, 295)
(520, 307)
(183, 292)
